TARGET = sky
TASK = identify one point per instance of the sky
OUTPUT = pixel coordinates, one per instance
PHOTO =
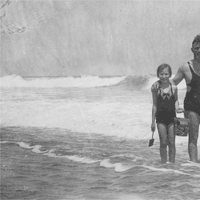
(73, 38)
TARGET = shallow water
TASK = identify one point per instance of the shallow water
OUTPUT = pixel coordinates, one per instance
(58, 164)
(87, 143)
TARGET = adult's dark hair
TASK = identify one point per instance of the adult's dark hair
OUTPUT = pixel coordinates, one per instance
(196, 39)
(163, 66)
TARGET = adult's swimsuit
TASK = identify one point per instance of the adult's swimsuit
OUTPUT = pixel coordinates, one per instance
(165, 107)
(192, 98)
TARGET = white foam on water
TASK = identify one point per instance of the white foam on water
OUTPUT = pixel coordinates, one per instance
(118, 167)
(164, 170)
(106, 163)
(24, 145)
(4, 142)
(61, 82)
(36, 149)
(191, 164)
(127, 116)
(74, 158)
(85, 160)
(170, 171)
(51, 154)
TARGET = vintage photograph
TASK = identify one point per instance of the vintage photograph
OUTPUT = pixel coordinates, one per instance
(99, 99)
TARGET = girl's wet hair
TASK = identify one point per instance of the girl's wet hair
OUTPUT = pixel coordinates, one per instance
(163, 66)
(196, 39)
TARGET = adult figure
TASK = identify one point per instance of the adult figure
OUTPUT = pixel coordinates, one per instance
(190, 71)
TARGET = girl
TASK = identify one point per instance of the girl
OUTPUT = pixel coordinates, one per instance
(165, 105)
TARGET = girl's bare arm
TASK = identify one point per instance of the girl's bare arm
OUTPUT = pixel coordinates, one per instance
(154, 106)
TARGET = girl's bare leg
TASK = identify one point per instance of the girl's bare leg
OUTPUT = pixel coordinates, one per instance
(171, 140)
(162, 130)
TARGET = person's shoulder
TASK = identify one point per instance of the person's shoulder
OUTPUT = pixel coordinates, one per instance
(184, 67)
(181, 73)
(155, 86)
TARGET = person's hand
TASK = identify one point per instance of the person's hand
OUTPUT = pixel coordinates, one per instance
(179, 110)
(153, 127)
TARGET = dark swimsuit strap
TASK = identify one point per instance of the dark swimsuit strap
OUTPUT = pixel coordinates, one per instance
(192, 70)
(190, 67)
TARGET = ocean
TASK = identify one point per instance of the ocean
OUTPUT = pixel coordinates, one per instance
(86, 138)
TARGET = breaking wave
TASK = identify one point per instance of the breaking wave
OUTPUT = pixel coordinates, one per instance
(61, 82)
(128, 82)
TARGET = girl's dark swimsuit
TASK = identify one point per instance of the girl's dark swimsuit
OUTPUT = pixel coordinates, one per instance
(165, 107)
(192, 98)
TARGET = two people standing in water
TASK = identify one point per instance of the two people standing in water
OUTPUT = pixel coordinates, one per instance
(165, 104)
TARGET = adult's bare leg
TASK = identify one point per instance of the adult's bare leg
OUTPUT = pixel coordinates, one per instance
(171, 140)
(162, 130)
(193, 135)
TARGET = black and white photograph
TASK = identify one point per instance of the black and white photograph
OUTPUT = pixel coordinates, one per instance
(99, 99)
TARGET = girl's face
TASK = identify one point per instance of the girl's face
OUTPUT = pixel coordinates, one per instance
(164, 75)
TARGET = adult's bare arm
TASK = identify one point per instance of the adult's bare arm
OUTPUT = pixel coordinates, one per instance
(179, 76)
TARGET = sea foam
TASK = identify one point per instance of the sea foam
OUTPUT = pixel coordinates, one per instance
(61, 82)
